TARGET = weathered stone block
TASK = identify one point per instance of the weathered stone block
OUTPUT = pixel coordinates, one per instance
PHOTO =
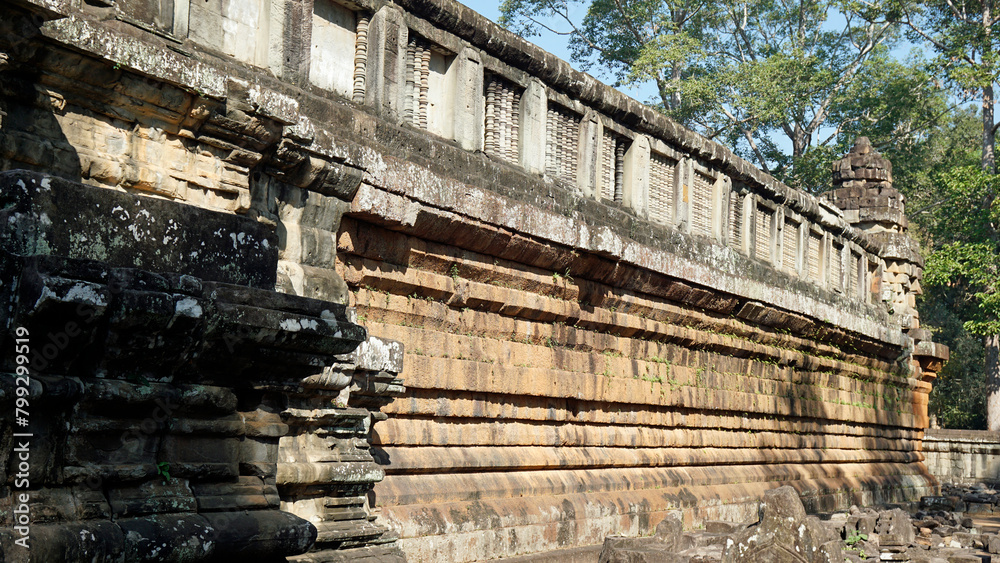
(894, 528)
(152, 497)
(664, 546)
(201, 457)
(784, 533)
(378, 354)
(993, 543)
(247, 493)
(127, 231)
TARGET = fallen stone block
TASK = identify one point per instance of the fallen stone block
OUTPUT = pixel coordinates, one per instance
(663, 546)
(993, 543)
(785, 534)
(895, 529)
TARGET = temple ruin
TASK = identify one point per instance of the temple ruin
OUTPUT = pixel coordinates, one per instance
(323, 280)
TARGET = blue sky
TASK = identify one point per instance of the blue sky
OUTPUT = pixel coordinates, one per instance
(491, 9)
(557, 45)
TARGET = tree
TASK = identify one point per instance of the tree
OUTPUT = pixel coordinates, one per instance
(918, 168)
(961, 32)
(620, 35)
(957, 399)
(896, 105)
(926, 172)
(967, 263)
(747, 74)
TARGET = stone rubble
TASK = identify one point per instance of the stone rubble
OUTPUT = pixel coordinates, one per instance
(939, 530)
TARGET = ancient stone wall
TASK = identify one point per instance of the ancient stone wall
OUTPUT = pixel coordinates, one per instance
(962, 456)
(605, 316)
(163, 401)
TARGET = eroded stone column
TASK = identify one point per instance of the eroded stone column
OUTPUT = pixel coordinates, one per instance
(469, 107)
(636, 176)
(588, 148)
(387, 34)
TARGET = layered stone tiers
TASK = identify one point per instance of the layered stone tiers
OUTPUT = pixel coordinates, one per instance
(536, 418)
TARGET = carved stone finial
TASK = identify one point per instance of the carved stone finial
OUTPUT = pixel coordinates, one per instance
(862, 146)
(862, 167)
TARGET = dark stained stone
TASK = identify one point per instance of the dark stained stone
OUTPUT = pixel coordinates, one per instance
(46, 215)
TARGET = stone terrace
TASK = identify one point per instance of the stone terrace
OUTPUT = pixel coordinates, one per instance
(605, 316)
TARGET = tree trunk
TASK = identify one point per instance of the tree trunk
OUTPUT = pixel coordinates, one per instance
(799, 141)
(675, 78)
(989, 137)
(992, 343)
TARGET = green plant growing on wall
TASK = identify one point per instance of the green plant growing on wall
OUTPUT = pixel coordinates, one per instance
(138, 379)
(699, 377)
(163, 470)
(853, 540)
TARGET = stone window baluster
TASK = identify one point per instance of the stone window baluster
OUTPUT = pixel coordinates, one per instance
(360, 59)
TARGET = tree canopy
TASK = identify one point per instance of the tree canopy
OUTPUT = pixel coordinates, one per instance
(961, 34)
(966, 255)
(757, 76)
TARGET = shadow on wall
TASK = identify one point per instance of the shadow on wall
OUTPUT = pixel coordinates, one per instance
(31, 134)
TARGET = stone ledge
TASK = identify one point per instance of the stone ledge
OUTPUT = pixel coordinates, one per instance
(125, 230)
(717, 269)
(971, 436)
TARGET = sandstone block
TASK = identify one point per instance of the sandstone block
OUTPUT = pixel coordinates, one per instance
(894, 528)
(204, 255)
(152, 497)
(784, 533)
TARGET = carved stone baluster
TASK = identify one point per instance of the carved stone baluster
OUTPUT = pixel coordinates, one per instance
(503, 125)
(550, 142)
(411, 48)
(425, 71)
(619, 170)
(508, 126)
(564, 156)
(515, 119)
(415, 77)
(490, 135)
(568, 146)
(606, 169)
(557, 138)
(360, 59)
